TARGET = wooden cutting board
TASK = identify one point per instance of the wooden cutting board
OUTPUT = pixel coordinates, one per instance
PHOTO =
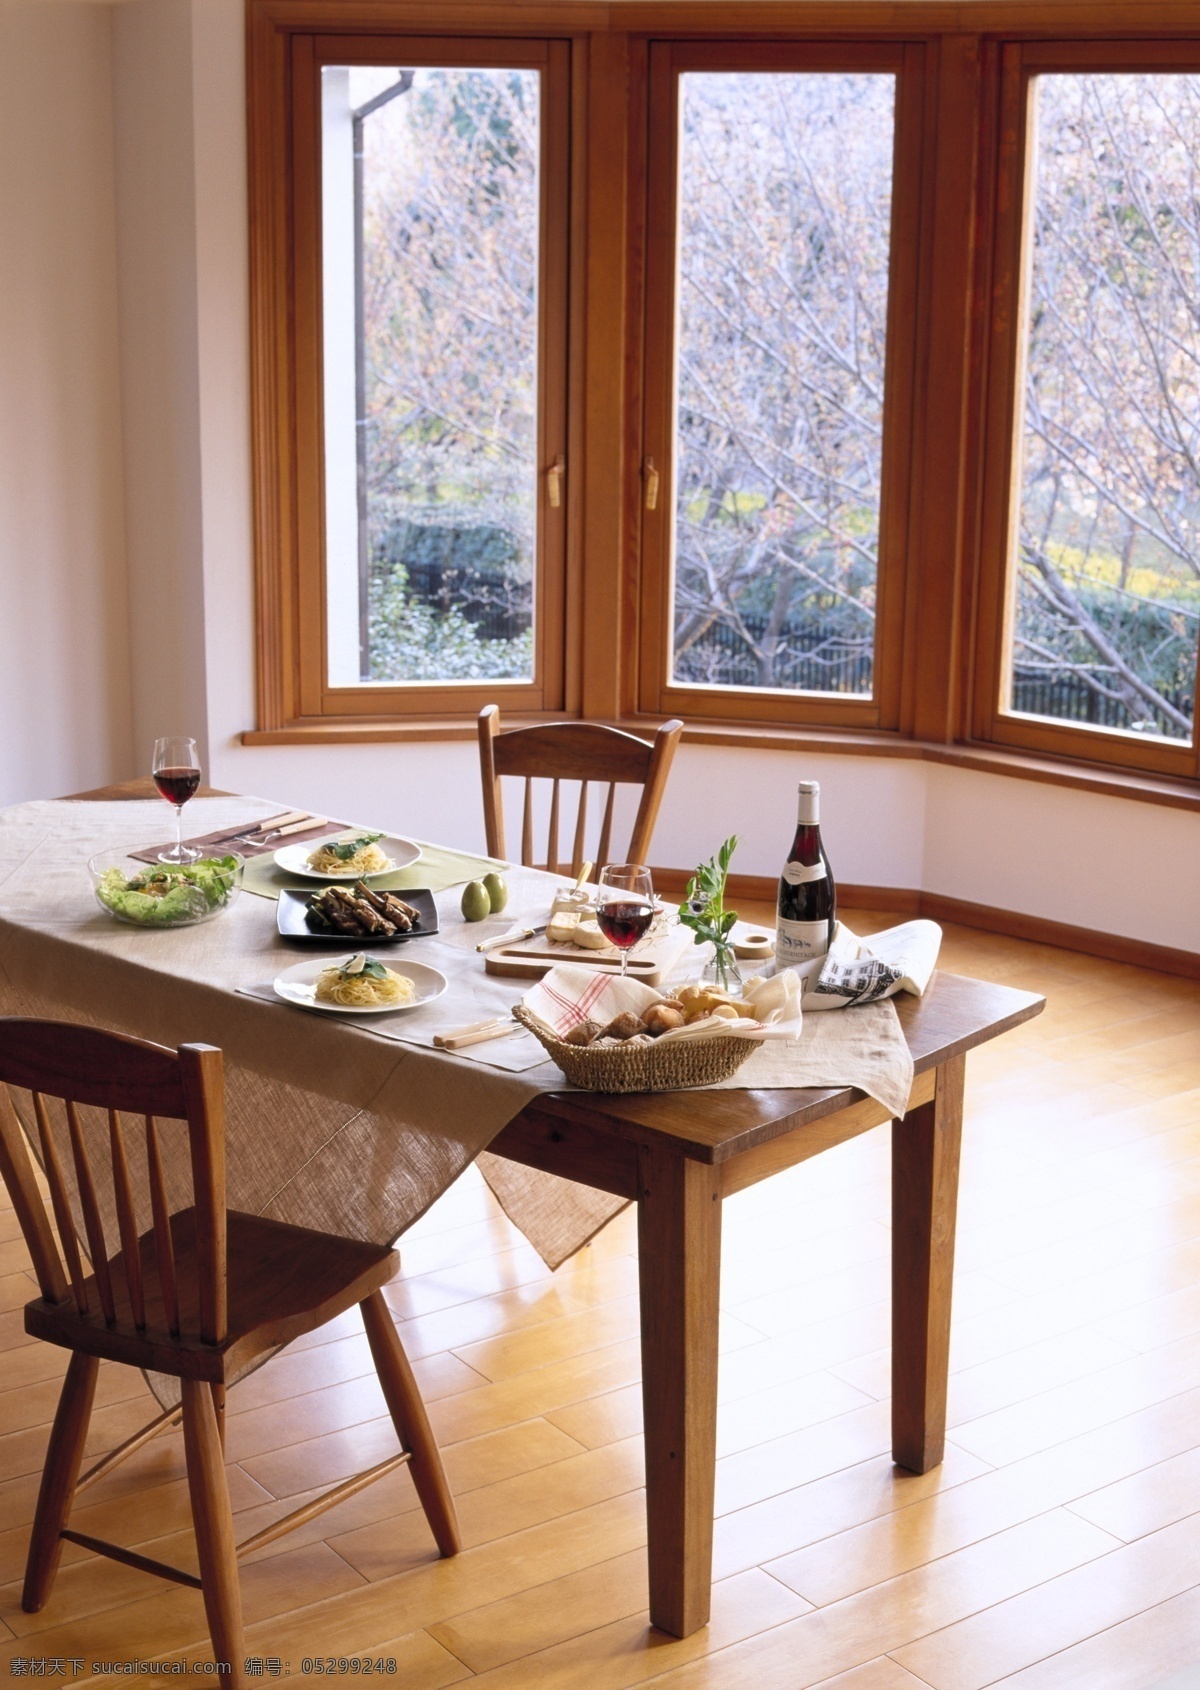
(529, 959)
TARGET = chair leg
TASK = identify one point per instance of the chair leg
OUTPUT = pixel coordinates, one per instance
(212, 1518)
(64, 1457)
(218, 1395)
(411, 1422)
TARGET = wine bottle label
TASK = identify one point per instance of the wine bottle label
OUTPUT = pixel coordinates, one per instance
(799, 941)
(799, 874)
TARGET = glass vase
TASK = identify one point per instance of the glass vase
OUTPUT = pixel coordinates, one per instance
(721, 969)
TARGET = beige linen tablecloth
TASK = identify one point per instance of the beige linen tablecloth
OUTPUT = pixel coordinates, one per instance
(327, 1125)
(334, 1122)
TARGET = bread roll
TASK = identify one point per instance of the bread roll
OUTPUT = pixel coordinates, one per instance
(584, 1034)
(662, 1017)
(623, 1027)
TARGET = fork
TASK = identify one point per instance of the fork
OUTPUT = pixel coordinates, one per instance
(257, 836)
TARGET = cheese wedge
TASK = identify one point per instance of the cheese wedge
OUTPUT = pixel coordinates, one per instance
(562, 928)
(588, 934)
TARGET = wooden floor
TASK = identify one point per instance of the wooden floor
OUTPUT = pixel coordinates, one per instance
(1059, 1544)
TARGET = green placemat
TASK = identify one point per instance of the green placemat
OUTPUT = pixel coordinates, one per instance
(438, 867)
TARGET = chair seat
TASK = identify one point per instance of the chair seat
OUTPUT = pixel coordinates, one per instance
(283, 1281)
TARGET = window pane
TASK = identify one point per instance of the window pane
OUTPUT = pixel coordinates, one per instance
(785, 208)
(430, 240)
(1107, 578)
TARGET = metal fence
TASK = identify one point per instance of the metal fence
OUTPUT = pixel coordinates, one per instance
(1069, 698)
(809, 657)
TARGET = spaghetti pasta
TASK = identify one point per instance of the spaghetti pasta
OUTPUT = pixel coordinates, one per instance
(363, 983)
(350, 856)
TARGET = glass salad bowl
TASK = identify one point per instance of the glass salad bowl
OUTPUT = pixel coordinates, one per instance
(164, 894)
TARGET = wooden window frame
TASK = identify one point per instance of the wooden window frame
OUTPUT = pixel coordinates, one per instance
(1018, 63)
(294, 690)
(659, 692)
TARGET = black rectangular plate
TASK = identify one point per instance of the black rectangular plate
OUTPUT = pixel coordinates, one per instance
(292, 906)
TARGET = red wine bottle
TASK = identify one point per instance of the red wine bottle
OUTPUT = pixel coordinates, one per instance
(807, 896)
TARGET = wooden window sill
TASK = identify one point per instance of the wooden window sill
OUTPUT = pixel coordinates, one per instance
(986, 759)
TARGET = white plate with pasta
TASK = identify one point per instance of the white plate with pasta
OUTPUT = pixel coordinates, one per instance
(356, 854)
(358, 984)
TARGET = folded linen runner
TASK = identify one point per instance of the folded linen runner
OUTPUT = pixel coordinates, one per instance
(859, 971)
(569, 995)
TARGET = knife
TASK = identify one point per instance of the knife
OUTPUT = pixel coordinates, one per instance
(258, 827)
(499, 1029)
(513, 938)
(305, 826)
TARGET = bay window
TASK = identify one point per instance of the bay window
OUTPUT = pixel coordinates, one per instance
(626, 364)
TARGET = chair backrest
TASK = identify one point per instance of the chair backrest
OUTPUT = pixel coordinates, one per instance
(66, 1068)
(582, 751)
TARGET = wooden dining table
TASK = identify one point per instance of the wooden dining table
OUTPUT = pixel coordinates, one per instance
(678, 1156)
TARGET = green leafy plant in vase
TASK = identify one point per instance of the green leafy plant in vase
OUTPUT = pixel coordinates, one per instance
(703, 910)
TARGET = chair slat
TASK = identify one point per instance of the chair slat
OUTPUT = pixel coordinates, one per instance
(127, 1221)
(92, 1223)
(587, 752)
(606, 829)
(61, 1203)
(577, 849)
(527, 825)
(17, 1173)
(552, 840)
(164, 1249)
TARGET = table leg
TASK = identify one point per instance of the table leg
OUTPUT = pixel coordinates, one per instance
(925, 1147)
(679, 1253)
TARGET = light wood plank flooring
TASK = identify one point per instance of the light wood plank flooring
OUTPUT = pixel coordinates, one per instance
(1058, 1545)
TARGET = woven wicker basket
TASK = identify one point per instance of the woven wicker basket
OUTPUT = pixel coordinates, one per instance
(670, 1065)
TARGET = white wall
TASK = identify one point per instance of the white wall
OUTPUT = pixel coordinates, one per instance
(64, 649)
(160, 374)
(180, 152)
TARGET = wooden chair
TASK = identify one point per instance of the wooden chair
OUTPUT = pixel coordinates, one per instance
(582, 751)
(198, 1295)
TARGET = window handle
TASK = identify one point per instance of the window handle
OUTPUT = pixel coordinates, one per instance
(554, 480)
(650, 475)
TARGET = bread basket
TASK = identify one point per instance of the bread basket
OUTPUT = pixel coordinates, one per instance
(663, 1065)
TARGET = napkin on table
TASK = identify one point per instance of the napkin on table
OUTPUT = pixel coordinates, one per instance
(900, 959)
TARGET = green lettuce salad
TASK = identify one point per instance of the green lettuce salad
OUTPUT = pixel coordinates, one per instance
(166, 896)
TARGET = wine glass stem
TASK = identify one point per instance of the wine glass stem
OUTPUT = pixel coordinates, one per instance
(179, 833)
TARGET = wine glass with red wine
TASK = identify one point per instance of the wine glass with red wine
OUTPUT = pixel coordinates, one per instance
(176, 771)
(626, 906)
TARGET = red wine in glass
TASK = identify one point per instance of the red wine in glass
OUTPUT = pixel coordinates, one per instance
(625, 907)
(177, 785)
(624, 924)
(176, 771)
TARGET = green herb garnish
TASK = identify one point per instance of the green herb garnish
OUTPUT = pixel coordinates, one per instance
(703, 908)
(362, 964)
(347, 848)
